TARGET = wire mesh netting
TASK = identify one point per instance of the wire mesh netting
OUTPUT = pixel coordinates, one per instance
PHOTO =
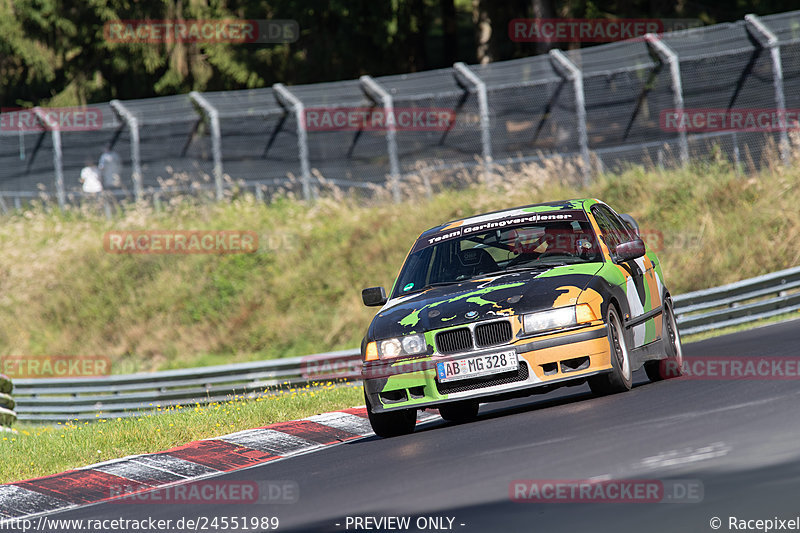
(532, 109)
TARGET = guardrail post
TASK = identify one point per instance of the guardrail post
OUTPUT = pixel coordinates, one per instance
(465, 76)
(667, 55)
(291, 103)
(58, 165)
(133, 127)
(216, 138)
(574, 74)
(767, 39)
(7, 414)
(378, 94)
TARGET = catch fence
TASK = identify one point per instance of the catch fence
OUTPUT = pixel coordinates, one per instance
(602, 106)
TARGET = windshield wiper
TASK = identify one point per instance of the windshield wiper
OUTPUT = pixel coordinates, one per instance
(541, 266)
(438, 284)
(432, 285)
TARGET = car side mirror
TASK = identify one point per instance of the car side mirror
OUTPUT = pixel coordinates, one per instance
(373, 296)
(628, 251)
(630, 222)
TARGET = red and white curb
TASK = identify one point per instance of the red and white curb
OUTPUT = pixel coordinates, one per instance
(196, 460)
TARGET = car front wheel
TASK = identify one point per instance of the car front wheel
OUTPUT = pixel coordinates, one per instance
(392, 423)
(620, 378)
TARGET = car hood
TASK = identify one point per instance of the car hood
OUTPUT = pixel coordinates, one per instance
(480, 299)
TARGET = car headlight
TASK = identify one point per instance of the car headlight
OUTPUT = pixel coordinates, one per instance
(397, 347)
(551, 319)
(563, 317)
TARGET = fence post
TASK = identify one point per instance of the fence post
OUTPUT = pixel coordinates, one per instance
(133, 127)
(58, 164)
(289, 101)
(667, 55)
(767, 39)
(7, 404)
(216, 138)
(378, 94)
(575, 75)
(465, 76)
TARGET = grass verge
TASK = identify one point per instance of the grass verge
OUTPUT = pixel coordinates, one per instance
(43, 450)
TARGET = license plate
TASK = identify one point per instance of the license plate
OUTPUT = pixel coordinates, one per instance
(481, 365)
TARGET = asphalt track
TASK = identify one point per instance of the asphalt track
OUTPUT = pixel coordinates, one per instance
(740, 439)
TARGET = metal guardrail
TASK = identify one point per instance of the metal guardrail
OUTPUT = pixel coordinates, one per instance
(91, 398)
(58, 400)
(738, 303)
(7, 404)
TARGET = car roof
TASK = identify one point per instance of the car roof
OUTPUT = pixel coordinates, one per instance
(580, 203)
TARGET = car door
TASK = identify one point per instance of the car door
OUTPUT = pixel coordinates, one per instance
(640, 286)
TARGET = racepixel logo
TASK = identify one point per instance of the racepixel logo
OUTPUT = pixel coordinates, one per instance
(180, 242)
(51, 118)
(55, 366)
(205, 492)
(721, 119)
(554, 30)
(606, 491)
(201, 31)
(734, 368)
(376, 119)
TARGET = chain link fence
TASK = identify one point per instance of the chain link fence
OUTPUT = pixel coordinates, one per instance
(604, 106)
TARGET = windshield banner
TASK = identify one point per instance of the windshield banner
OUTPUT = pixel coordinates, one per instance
(479, 226)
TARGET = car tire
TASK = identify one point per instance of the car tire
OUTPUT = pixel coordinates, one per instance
(672, 364)
(620, 379)
(392, 423)
(459, 412)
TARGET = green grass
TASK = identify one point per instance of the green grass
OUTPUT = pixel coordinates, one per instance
(63, 294)
(38, 450)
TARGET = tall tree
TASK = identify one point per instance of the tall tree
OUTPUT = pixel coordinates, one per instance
(449, 31)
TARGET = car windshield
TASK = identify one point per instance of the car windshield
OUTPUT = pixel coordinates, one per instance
(522, 247)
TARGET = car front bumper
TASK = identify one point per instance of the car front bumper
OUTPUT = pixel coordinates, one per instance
(545, 362)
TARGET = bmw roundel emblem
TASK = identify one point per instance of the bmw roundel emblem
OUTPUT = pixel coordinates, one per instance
(471, 314)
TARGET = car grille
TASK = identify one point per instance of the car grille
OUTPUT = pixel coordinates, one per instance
(455, 340)
(493, 333)
(461, 339)
(449, 387)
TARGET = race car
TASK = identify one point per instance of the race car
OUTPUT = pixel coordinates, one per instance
(513, 303)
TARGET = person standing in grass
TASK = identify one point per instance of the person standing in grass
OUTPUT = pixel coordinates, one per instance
(110, 167)
(90, 178)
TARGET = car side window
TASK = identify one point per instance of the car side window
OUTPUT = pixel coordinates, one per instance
(614, 231)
